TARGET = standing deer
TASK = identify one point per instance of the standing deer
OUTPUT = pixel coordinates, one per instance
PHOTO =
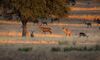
(45, 29)
(67, 31)
(32, 34)
(55, 19)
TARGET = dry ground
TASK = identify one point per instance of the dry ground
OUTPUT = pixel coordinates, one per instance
(43, 52)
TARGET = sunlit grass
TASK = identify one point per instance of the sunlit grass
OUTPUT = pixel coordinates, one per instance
(84, 9)
(88, 17)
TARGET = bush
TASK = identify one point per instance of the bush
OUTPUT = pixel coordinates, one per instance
(25, 49)
(81, 48)
(85, 48)
(55, 49)
(97, 47)
(90, 49)
(77, 49)
(68, 49)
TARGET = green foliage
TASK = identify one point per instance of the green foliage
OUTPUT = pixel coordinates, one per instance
(95, 48)
(25, 49)
(55, 49)
(38, 8)
(68, 49)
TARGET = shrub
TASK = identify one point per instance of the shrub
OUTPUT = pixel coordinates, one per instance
(97, 47)
(77, 49)
(56, 49)
(90, 49)
(68, 49)
(63, 42)
(85, 48)
(25, 49)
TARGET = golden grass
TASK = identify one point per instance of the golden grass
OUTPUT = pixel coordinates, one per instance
(28, 34)
(88, 17)
(27, 42)
(84, 9)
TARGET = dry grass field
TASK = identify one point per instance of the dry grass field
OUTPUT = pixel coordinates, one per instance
(12, 45)
(55, 46)
(43, 52)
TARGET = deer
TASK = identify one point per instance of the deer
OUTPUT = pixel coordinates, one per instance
(88, 24)
(97, 21)
(83, 34)
(55, 19)
(32, 34)
(45, 29)
(67, 31)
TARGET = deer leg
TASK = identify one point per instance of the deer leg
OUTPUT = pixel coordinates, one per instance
(80, 35)
(69, 34)
(87, 26)
(66, 34)
(50, 32)
(44, 32)
(46, 24)
(86, 35)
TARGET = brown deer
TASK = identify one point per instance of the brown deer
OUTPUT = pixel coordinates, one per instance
(67, 31)
(45, 29)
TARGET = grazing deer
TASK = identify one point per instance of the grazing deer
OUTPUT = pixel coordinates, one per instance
(83, 34)
(97, 21)
(45, 29)
(89, 24)
(67, 31)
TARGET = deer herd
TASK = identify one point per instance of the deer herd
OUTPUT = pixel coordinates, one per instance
(68, 32)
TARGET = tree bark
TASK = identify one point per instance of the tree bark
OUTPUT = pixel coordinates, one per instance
(24, 28)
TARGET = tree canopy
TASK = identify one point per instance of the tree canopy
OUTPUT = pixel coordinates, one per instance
(39, 8)
(36, 9)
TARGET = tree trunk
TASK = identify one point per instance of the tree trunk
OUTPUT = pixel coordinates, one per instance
(24, 28)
